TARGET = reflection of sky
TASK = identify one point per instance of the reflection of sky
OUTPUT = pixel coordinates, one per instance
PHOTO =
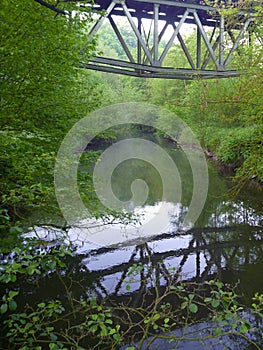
(155, 220)
(108, 259)
(166, 245)
(110, 283)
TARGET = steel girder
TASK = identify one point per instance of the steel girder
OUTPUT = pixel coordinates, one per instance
(213, 52)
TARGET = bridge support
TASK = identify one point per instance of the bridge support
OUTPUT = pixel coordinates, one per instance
(213, 52)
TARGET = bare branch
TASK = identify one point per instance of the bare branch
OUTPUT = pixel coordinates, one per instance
(52, 7)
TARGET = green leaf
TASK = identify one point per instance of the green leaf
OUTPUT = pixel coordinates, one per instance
(103, 331)
(191, 296)
(52, 265)
(244, 328)
(193, 308)
(13, 293)
(234, 325)
(49, 329)
(184, 304)
(31, 270)
(53, 337)
(109, 321)
(12, 305)
(215, 303)
(228, 315)
(207, 300)
(218, 331)
(94, 317)
(117, 337)
(4, 308)
(16, 266)
(41, 305)
(156, 317)
(13, 278)
(5, 278)
(219, 285)
(94, 328)
(53, 346)
(15, 229)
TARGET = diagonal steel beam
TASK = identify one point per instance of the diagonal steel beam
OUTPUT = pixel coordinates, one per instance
(206, 40)
(208, 58)
(121, 40)
(136, 31)
(139, 48)
(97, 26)
(184, 47)
(186, 52)
(160, 35)
(240, 36)
(175, 33)
(147, 41)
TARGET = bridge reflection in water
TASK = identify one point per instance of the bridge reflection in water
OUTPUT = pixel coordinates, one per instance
(136, 275)
(196, 255)
(228, 253)
(217, 37)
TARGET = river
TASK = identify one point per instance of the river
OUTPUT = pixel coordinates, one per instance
(225, 243)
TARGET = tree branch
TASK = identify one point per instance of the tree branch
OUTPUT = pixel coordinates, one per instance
(52, 7)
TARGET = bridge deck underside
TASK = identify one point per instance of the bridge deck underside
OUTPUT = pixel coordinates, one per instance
(168, 11)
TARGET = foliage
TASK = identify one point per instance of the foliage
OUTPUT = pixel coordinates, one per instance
(28, 328)
(40, 55)
(226, 114)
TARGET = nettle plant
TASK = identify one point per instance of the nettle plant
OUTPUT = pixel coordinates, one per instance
(86, 322)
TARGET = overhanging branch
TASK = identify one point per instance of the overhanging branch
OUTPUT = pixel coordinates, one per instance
(52, 7)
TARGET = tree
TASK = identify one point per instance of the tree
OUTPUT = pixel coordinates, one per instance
(43, 93)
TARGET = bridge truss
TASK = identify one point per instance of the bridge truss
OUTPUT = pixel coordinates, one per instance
(216, 38)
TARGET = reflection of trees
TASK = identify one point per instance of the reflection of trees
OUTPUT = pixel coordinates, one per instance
(234, 213)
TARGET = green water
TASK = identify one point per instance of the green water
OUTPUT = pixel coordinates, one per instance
(225, 242)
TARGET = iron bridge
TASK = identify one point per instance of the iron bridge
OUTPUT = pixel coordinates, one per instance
(217, 38)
